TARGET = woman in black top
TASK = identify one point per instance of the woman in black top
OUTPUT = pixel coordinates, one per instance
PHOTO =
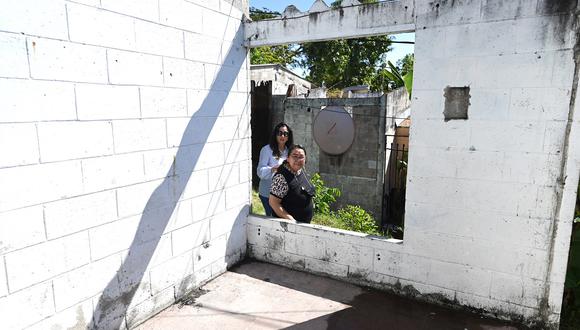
(291, 192)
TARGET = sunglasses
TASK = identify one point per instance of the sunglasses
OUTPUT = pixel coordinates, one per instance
(281, 133)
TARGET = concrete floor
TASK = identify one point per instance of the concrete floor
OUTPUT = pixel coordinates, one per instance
(257, 295)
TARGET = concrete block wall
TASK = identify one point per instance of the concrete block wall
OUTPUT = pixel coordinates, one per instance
(490, 199)
(125, 175)
(359, 172)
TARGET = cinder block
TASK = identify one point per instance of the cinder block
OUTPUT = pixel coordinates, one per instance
(435, 133)
(349, 254)
(47, 260)
(553, 139)
(145, 9)
(181, 14)
(128, 68)
(543, 33)
(71, 140)
(47, 19)
(562, 59)
(308, 246)
(85, 282)
(539, 104)
(229, 8)
(489, 225)
(182, 216)
(171, 272)
(198, 102)
(209, 4)
(238, 150)
(224, 223)
(198, 157)
(3, 280)
(276, 257)
(483, 39)
(29, 100)
(237, 195)
(516, 289)
(196, 185)
(138, 260)
(325, 267)
(159, 163)
(518, 70)
(494, 136)
(113, 237)
(163, 102)
(183, 73)
(60, 60)
(224, 129)
(220, 78)
(460, 278)
(489, 104)
(80, 314)
(497, 9)
(13, 55)
(210, 252)
(24, 151)
(151, 306)
(401, 265)
(223, 176)
(208, 205)
(541, 169)
(35, 302)
(113, 171)
(107, 102)
(218, 25)
(236, 104)
(30, 185)
(143, 197)
(211, 52)
(79, 213)
(427, 15)
(157, 39)
(189, 237)
(186, 131)
(100, 27)
(137, 135)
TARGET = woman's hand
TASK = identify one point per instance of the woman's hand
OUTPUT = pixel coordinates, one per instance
(275, 168)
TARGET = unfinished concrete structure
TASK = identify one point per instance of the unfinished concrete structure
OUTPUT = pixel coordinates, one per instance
(125, 176)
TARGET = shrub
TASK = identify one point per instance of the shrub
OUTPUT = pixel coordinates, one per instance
(324, 197)
(357, 219)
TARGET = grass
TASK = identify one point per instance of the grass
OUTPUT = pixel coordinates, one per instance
(257, 207)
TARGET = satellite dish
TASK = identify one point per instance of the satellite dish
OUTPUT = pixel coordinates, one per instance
(333, 130)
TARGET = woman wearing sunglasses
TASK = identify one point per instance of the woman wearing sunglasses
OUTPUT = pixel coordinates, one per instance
(291, 192)
(271, 156)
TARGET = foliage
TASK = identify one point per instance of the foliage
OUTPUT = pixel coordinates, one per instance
(324, 197)
(257, 207)
(357, 219)
(571, 303)
(343, 63)
(284, 55)
(405, 65)
(337, 64)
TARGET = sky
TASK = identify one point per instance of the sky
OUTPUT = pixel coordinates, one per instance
(398, 52)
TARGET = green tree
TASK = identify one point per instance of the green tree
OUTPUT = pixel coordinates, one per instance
(284, 55)
(343, 63)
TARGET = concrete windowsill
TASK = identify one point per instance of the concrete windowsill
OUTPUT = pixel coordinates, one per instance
(320, 231)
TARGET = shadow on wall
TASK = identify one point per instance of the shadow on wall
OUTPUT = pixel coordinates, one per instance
(110, 311)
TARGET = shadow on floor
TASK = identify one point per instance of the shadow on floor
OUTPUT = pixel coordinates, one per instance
(369, 309)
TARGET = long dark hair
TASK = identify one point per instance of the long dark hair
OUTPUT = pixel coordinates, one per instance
(274, 143)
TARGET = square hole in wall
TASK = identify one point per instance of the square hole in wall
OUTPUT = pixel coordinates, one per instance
(456, 102)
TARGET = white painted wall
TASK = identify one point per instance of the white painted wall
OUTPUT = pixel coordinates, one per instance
(125, 167)
(490, 199)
